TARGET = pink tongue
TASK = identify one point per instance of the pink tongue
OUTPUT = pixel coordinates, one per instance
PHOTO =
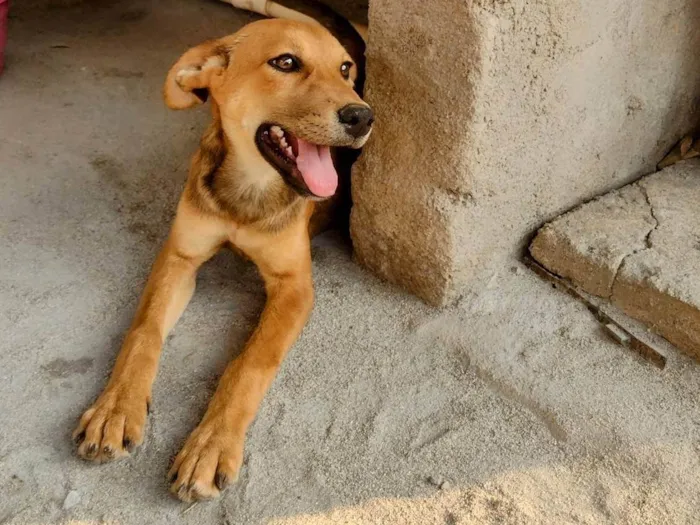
(316, 167)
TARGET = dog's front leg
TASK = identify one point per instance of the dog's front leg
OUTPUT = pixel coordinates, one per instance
(212, 455)
(114, 424)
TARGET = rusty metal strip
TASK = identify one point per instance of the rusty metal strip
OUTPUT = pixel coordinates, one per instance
(619, 333)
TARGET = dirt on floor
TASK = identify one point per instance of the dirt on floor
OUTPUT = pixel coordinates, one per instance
(511, 406)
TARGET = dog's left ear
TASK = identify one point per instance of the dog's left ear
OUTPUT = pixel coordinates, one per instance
(194, 74)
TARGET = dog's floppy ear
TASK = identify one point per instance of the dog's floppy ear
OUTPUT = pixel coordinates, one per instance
(199, 69)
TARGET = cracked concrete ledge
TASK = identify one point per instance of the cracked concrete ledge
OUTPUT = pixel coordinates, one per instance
(639, 247)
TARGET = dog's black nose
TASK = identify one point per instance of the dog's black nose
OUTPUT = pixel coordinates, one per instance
(356, 118)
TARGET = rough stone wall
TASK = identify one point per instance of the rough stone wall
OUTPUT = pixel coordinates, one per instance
(493, 116)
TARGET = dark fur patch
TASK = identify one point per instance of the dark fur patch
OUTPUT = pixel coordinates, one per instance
(214, 186)
(225, 53)
(212, 152)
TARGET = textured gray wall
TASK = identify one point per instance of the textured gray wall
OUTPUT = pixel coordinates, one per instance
(493, 116)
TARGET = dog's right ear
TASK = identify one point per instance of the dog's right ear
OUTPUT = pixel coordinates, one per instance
(194, 74)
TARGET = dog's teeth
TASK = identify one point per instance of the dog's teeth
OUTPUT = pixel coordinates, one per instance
(283, 143)
(290, 152)
(277, 131)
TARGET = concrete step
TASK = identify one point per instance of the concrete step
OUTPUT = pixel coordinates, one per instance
(638, 247)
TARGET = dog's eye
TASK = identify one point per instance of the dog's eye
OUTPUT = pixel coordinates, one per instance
(286, 63)
(345, 69)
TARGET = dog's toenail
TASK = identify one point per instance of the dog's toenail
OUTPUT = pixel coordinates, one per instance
(107, 451)
(80, 438)
(91, 450)
(173, 478)
(221, 481)
(128, 445)
(192, 492)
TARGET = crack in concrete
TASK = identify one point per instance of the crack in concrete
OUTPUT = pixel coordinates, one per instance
(647, 239)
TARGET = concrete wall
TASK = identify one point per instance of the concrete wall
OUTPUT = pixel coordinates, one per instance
(494, 116)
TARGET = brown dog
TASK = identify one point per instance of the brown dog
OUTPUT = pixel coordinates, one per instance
(281, 94)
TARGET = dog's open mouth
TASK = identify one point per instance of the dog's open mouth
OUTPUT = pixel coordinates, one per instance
(307, 167)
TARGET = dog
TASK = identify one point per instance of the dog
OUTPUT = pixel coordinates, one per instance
(283, 100)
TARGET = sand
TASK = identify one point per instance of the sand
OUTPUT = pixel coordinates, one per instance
(511, 406)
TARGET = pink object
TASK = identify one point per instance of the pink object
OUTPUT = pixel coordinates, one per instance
(4, 7)
(316, 167)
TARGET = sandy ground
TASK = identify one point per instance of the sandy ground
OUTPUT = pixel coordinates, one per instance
(510, 407)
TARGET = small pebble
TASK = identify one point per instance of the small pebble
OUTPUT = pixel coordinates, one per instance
(72, 499)
(617, 333)
(434, 480)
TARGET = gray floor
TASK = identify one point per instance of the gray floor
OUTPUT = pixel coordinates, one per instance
(514, 397)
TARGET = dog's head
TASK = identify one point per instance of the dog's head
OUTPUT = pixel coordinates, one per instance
(284, 93)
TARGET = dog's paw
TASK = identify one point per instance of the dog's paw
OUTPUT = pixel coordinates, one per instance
(113, 426)
(208, 462)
